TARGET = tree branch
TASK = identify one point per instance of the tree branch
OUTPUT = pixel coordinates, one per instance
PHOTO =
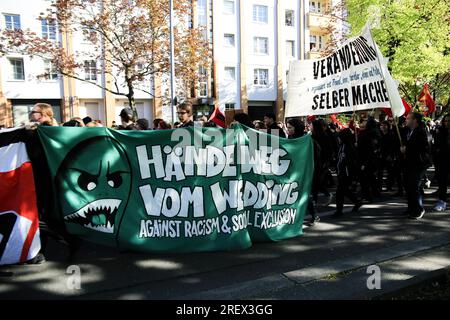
(93, 83)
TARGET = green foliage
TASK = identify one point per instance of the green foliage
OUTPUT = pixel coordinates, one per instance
(414, 35)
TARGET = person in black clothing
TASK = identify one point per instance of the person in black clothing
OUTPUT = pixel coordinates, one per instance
(347, 166)
(442, 161)
(49, 225)
(331, 131)
(398, 159)
(126, 116)
(243, 119)
(142, 124)
(72, 123)
(367, 148)
(272, 127)
(296, 129)
(87, 120)
(417, 160)
(326, 152)
(184, 112)
(386, 156)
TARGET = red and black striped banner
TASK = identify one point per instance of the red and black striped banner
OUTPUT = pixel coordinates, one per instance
(19, 221)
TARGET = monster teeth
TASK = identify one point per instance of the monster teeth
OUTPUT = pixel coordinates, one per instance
(102, 228)
(72, 216)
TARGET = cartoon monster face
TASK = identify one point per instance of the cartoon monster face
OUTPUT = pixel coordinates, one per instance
(94, 182)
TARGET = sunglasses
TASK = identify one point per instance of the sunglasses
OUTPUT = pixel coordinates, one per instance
(181, 112)
(33, 112)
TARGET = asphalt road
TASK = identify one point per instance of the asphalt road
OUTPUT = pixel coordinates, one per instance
(106, 273)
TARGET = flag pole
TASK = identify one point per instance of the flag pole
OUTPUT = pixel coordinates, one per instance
(389, 96)
(172, 64)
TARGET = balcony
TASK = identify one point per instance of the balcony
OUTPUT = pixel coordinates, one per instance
(314, 54)
(318, 22)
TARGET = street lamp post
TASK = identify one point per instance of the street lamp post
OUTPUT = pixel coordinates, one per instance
(172, 65)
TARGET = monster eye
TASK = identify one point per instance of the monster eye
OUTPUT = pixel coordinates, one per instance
(114, 180)
(87, 182)
(91, 186)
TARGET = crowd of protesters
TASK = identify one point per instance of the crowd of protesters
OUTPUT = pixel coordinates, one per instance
(368, 157)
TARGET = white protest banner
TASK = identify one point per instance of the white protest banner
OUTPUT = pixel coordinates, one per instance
(352, 78)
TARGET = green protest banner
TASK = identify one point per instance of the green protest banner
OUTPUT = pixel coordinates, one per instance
(182, 190)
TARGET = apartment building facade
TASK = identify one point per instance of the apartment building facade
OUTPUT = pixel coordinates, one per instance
(252, 43)
(20, 87)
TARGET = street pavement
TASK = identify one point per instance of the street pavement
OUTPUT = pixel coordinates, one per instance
(328, 262)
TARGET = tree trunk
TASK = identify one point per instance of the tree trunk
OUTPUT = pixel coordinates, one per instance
(130, 97)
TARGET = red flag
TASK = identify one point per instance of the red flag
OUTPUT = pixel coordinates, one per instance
(387, 111)
(425, 97)
(311, 118)
(335, 120)
(407, 107)
(218, 118)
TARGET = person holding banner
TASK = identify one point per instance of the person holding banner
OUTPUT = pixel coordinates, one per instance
(184, 112)
(367, 147)
(347, 167)
(296, 129)
(126, 117)
(417, 160)
(242, 118)
(272, 126)
(326, 152)
(398, 165)
(386, 156)
(42, 114)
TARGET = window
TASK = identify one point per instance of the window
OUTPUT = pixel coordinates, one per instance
(315, 6)
(229, 40)
(21, 114)
(48, 29)
(202, 17)
(228, 7)
(230, 73)
(12, 21)
(290, 48)
(312, 43)
(190, 20)
(260, 14)
(203, 89)
(289, 20)
(90, 70)
(17, 71)
(315, 43)
(202, 12)
(50, 70)
(230, 106)
(202, 72)
(90, 110)
(261, 77)
(261, 45)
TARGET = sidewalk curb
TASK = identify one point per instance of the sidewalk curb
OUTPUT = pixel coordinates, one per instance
(414, 283)
(304, 279)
